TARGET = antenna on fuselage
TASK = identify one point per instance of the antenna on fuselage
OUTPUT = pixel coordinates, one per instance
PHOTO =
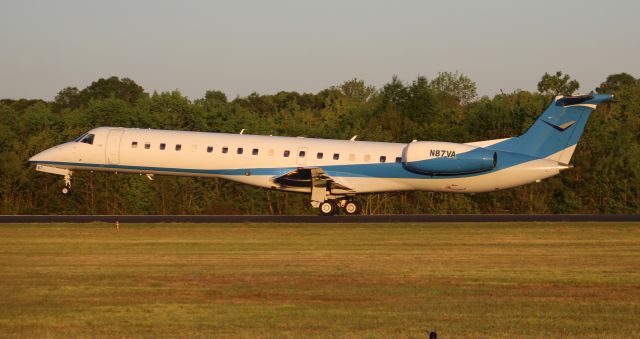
(353, 138)
(242, 131)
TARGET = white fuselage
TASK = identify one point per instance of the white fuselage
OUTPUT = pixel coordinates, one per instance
(361, 166)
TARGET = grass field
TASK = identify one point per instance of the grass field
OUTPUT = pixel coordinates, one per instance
(284, 280)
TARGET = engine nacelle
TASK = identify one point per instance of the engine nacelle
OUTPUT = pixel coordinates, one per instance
(447, 158)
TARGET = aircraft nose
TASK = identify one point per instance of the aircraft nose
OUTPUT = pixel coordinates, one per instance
(40, 156)
(63, 152)
(36, 158)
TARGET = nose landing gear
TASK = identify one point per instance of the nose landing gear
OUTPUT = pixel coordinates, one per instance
(66, 173)
(67, 183)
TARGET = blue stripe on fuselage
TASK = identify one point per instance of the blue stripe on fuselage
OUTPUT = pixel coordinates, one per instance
(377, 170)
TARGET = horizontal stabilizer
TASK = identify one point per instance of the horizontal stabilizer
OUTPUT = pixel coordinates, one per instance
(561, 127)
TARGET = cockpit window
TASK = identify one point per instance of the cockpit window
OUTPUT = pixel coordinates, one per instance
(80, 137)
(88, 139)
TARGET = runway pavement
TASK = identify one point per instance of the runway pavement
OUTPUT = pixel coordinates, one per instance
(319, 219)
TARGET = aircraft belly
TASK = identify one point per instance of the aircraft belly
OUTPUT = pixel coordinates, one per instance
(491, 181)
(506, 178)
(520, 174)
(254, 180)
(373, 184)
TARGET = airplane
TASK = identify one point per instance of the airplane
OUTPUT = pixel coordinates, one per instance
(334, 172)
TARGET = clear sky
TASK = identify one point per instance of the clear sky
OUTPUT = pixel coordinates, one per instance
(268, 46)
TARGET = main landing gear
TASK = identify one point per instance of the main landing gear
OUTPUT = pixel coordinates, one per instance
(330, 207)
(323, 199)
(352, 207)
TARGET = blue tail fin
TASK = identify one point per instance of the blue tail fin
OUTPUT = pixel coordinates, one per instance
(556, 132)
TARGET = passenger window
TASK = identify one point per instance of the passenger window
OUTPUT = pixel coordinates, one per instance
(383, 158)
(286, 153)
(134, 144)
(255, 151)
(398, 159)
(301, 154)
(163, 146)
(240, 150)
(178, 147)
(88, 139)
(209, 149)
(320, 155)
(352, 157)
(336, 156)
(225, 149)
(367, 157)
(147, 145)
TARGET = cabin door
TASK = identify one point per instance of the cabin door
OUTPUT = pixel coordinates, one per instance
(302, 156)
(112, 150)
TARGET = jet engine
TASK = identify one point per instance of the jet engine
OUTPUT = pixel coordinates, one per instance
(446, 158)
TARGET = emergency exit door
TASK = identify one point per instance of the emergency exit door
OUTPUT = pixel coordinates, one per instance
(112, 150)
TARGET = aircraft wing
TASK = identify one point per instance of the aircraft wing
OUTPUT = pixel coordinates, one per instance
(318, 173)
(312, 176)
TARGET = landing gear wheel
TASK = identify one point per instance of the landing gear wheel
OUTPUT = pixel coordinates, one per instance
(352, 208)
(66, 190)
(328, 208)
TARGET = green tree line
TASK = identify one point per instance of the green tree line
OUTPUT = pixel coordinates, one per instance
(606, 177)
